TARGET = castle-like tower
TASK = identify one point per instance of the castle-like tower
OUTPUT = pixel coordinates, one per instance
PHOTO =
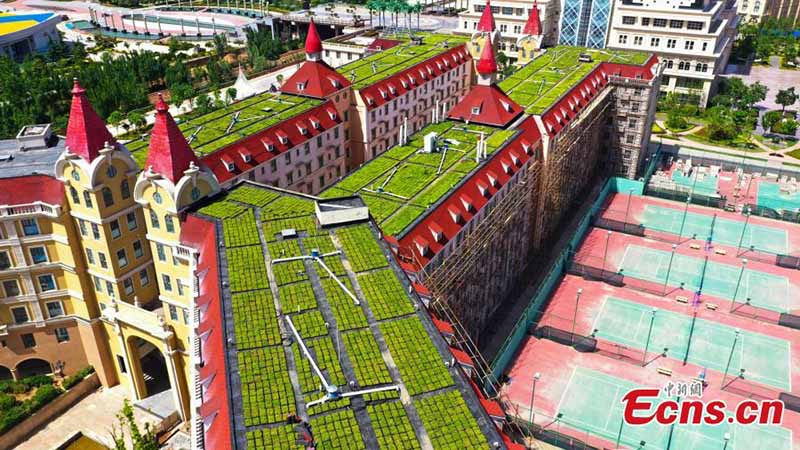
(531, 41)
(486, 32)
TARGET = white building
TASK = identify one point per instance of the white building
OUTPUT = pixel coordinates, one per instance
(693, 38)
(24, 33)
(510, 17)
(752, 10)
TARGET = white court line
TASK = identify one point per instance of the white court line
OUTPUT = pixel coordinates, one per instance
(564, 394)
(600, 314)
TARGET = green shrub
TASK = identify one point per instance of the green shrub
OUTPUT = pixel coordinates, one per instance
(13, 387)
(7, 401)
(43, 396)
(676, 121)
(785, 126)
(76, 378)
(11, 417)
(37, 381)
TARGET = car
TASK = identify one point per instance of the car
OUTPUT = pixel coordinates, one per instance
(779, 155)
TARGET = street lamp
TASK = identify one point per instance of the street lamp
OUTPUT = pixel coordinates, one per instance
(685, 212)
(627, 209)
(738, 283)
(730, 357)
(726, 437)
(669, 268)
(536, 378)
(605, 254)
(649, 332)
(575, 315)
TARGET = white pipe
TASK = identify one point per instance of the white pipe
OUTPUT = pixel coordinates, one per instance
(306, 352)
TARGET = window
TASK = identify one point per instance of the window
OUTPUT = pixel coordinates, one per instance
(5, 261)
(630, 139)
(128, 285)
(95, 231)
(111, 172)
(110, 289)
(632, 122)
(671, 43)
(705, 46)
(162, 253)
(688, 45)
(131, 219)
(11, 288)
(82, 226)
(87, 198)
(195, 193)
(179, 283)
(628, 20)
(125, 188)
(692, 25)
(103, 261)
(144, 277)
(38, 255)
(645, 21)
(157, 198)
(98, 285)
(121, 364)
(90, 256)
(20, 314)
(623, 38)
(637, 40)
(54, 309)
(30, 227)
(62, 335)
(676, 24)
(669, 66)
(138, 251)
(655, 42)
(46, 283)
(661, 23)
(185, 315)
(122, 258)
(115, 231)
(173, 313)
(154, 220)
(74, 194)
(169, 224)
(167, 281)
(108, 197)
(27, 340)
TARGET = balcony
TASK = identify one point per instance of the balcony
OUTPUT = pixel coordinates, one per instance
(29, 210)
(151, 322)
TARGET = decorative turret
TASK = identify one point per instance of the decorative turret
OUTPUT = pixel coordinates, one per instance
(531, 40)
(170, 154)
(485, 33)
(486, 67)
(86, 131)
(533, 27)
(313, 43)
(486, 24)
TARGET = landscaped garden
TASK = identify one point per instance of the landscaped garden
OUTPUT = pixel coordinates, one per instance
(368, 363)
(267, 395)
(391, 425)
(441, 414)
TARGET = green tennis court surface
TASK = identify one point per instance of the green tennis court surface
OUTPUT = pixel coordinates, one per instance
(764, 290)
(770, 195)
(765, 359)
(702, 184)
(592, 403)
(725, 231)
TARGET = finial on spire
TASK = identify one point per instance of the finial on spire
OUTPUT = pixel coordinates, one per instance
(486, 24)
(313, 41)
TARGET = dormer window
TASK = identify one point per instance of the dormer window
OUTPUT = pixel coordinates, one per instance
(404, 83)
(392, 90)
(476, 110)
(492, 179)
(228, 162)
(301, 87)
(483, 189)
(283, 138)
(383, 94)
(515, 159)
(246, 155)
(370, 101)
(315, 123)
(422, 245)
(438, 65)
(506, 167)
(422, 74)
(412, 79)
(447, 63)
(268, 145)
(466, 202)
(506, 106)
(302, 129)
(332, 114)
(335, 83)
(430, 71)
(436, 232)
(455, 214)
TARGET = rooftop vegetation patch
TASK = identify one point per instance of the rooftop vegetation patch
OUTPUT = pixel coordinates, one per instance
(338, 430)
(391, 425)
(444, 412)
(326, 358)
(255, 319)
(297, 297)
(275, 438)
(360, 248)
(366, 358)
(385, 294)
(310, 324)
(267, 395)
(222, 209)
(247, 269)
(273, 228)
(348, 315)
(241, 230)
(252, 195)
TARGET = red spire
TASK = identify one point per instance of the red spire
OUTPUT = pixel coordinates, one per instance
(86, 131)
(486, 23)
(487, 64)
(170, 154)
(533, 27)
(313, 42)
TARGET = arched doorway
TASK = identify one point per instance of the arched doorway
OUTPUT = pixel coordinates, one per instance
(5, 373)
(33, 366)
(150, 367)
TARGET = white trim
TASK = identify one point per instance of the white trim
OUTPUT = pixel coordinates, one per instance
(108, 219)
(134, 270)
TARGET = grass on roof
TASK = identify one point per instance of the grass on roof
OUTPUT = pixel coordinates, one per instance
(538, 85)
(399, 185)
(386, 63)
(209, 132)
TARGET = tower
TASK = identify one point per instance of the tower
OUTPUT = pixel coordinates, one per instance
(531, 40)
(486, 31)
(487, 67)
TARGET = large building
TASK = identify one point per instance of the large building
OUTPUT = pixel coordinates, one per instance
(694, 39)
(785, 9)
(22, 34)
(752, 10)
(585, 23)
(195, 267)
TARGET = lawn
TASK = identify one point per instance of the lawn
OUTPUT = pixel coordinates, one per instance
(740, 143)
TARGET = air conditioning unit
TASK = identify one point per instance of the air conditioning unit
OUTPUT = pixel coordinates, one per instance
(3, 330)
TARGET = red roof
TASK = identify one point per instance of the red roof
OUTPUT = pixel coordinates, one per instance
(462, 357)
(411, 78)
(442, 326)
(170, 154)
(486, 23)
(215, 408)
(382, 44)
(313, 42)
(29, 189)
(256, 144)
(469, 187)
(533, 27)
(496, 109)
(487, 64)
(86, 131)
(315, 79)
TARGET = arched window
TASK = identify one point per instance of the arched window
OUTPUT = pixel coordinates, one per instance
(168, 223)
(154, 220)
(87, 198)
(108, 197)
(125, 188)
(75, 197)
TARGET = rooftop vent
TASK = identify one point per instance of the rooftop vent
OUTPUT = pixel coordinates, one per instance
(585, 57)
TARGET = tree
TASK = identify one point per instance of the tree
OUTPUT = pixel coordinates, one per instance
(136, 119)
(770, 119)
(721, 125)
(220, 44)
(140, 441)
(755, 93)
(203, 103)
(180, 93)
(115, 118)
(230, 94)
(786, 97)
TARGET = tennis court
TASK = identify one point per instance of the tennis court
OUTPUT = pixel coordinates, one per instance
(725, 231)
(770, 195)
(765, 359)
(700, 183)
(764, 290)
(592, 402)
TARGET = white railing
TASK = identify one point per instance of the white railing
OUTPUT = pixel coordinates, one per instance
(143, 319)
(29, 209)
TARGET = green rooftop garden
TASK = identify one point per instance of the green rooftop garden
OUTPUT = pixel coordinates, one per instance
(540, 83)
(210, 132)
(396, 59)
(402, 183)
(347, 340)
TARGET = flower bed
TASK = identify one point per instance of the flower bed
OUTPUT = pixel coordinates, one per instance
(348, 315)
(247, 270)
(241, 230)
(267, 395)
(368, 363)
(338, 430)
(326, 359)
(420, 364)
(391, 425)
(297, 297)
(252, 195)
(385, 295)
(255, 319)
(360, 248)
(449, 423)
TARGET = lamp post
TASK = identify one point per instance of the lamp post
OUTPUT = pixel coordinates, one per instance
(685, 212)
(649, 332)
(605, 254)
(726, 437)
(730, 357)
(575, 315)
(669, 268)
(628, 208)
(536, 378)
(738, 283)
(741, 238)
